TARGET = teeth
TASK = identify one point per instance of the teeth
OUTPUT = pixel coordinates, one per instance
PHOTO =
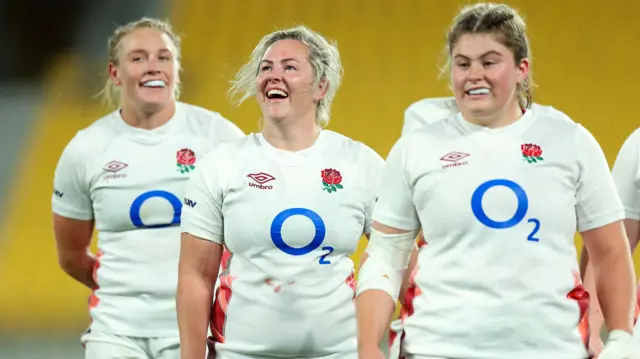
(154, 83)
(272, 93)
(481, 91)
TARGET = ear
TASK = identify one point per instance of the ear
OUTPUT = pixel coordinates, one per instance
(523, 69)
(114, 74)
(321, 91)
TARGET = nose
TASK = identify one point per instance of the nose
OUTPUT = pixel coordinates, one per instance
(476, 72)
(274, 77)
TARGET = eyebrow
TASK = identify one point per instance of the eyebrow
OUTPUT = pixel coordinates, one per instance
(282, 61)
(138, 51)
(491, 52)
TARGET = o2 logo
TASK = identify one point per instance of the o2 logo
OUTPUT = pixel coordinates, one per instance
(134, 211)
(521, 211)
(318, 238)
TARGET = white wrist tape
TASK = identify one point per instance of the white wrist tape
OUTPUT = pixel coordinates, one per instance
(619, 346)
(389, 256)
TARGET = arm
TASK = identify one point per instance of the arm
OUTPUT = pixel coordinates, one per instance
(624, 173)
(72, 208)
(393, 237)
(197, 272)
(379, 283)
(613, 274)
(73, 238)
(596, 319)
(609, 268)
(200, 254)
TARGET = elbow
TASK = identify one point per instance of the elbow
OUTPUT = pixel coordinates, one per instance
(68, 262)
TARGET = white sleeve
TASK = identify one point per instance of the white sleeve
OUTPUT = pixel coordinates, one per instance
(372, 171)
(412, 120)
(625, 176)
(395, 207)
(597, 201)
(202, 209)
(71, 194)
(223, 130)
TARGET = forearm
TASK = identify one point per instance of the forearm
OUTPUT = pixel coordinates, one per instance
(595, 314)
(193, 302)
(614, 282)
(79, 266)
(374, 309)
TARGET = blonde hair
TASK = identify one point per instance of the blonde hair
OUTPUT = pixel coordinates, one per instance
(510, 30)
(110, 93)
(323, 56)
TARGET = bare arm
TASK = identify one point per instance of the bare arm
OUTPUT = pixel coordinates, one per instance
(73, 238)
(374, 308)
(197, 272)
(612, 271)
(596, 319)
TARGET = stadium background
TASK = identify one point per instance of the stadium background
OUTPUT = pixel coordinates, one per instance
(584, 55)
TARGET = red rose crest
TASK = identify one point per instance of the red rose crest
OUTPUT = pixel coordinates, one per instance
(331, 180)
(185, 159)
(531, 153)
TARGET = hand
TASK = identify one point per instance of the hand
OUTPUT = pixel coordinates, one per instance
(370, 353)
(619, 346)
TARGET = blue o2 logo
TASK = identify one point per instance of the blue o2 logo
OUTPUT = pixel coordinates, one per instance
(134, 211)
(318, 238)
(518, 216)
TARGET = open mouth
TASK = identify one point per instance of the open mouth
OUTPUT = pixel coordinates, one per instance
(156, 84)
(478, 91)
(276, 95)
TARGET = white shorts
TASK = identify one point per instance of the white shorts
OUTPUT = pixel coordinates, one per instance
(100, 345)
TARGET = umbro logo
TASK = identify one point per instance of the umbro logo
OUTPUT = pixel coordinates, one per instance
(113, 167)
(260, 179)
(454, 159)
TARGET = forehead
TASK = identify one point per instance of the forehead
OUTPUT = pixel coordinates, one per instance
(146, 39)
(473, 45)
(286, 49)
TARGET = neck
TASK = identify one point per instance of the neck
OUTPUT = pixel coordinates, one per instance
(291, 135)
(504, 117)
(137, 116)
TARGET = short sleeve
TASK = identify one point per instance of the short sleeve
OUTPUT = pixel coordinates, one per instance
(395, 207)
(625, 176)
(412, 120)
(597, 201)
(202, 209)
(71, 191)
(373, 165)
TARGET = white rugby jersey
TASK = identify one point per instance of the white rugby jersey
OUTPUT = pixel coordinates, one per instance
(131, 181)
(499, 208)
(290, 221)
(627, 176)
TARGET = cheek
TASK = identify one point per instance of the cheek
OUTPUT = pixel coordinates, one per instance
(457, 81)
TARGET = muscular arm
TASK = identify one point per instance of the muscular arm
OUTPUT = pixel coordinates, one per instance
(73, 238)
(611, 270)
(197, 272)
(596, 319)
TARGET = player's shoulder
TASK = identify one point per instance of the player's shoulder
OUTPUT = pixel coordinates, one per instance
(94, 136)
(633, 139)
(444, 105)
(551, 116)
(203, 118)
(347, 146)
(232, 151)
